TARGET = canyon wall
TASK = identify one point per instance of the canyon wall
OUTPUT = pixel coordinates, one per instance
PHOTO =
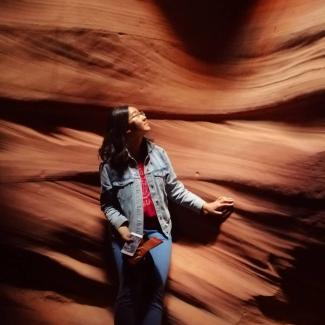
(234, 92)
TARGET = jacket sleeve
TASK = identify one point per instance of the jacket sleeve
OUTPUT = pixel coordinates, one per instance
(177, 192)
(107, 198)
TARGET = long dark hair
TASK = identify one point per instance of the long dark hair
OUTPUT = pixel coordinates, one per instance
(113, 149)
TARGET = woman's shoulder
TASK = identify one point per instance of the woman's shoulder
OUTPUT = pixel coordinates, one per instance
(106, 167)
(154, 146)
(103, 166)
(106, 171)
(159, 152)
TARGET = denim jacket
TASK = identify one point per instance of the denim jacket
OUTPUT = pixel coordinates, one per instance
(121, 194)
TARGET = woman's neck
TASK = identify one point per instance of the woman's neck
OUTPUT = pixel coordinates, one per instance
(135, 146)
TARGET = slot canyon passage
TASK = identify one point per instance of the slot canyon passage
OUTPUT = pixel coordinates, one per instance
(235, 94)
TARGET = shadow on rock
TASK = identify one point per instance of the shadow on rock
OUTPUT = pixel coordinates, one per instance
(194, 228)
(24, 268)
(303, 290)
(207, 28)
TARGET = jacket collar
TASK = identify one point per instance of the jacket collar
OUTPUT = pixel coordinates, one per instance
(150, 147)
(150, 144)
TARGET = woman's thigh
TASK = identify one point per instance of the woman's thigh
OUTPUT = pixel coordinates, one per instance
(118, 257)
(161, 255)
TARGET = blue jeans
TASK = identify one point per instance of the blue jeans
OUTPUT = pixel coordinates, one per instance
(142, 287)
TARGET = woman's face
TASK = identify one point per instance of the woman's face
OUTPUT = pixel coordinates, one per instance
(138, 121)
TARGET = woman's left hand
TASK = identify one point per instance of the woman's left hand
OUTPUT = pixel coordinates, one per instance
(220, 207)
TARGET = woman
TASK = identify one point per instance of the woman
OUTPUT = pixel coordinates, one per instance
(137, 179)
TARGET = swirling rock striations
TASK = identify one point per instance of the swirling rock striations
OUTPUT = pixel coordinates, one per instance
(235, 93)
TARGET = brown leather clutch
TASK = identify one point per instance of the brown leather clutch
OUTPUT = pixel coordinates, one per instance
(143, 249)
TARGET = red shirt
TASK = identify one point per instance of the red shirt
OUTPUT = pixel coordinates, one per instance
(149, 210)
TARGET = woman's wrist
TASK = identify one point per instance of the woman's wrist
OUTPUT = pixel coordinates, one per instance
(204, 209)
(124, 224)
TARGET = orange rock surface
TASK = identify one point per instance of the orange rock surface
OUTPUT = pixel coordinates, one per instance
(234, 92)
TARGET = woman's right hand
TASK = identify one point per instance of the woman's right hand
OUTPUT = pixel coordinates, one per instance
(220, 207)
(124, 233)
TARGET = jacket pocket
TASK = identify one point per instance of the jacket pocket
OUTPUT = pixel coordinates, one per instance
(124, 192)
(122, 182)
(160, 180)
(160, 173)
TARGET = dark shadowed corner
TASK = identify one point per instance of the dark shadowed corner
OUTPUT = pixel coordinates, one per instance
(207, 28)
(300, 300)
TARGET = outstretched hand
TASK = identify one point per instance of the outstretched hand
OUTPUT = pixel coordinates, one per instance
(222, 206)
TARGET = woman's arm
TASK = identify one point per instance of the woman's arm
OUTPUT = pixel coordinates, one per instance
(114, 216)
(177, 192)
